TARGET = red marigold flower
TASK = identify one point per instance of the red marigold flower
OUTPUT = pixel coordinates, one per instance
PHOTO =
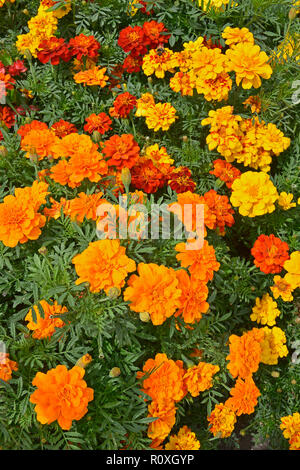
(154, 34)
(147, 177)
(270, 253)
(122, 151)
(7, 83)
(97, 122)
(132, 64)
(83, 45)
(17, 68)
(62, 128)
(132, 39)
(180, 180)
(53, 49)
(33, 125)
(7, 117)
(225, 171)
(123, 104)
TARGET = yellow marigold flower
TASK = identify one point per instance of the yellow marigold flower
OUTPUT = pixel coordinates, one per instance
(183, 82)
(44, 327)
(250, 64)
(289, 48)
(216, 4)
(143, 104)
(28, 42)
(265, 310)
(158, 155)
(254, 194)
(43, 25)
(208, 63)
(215, 89)
(153, 62)
(272, 139)
(59, 12)
(91, 77)
(184, 440)
(273, 345)
(285, 201)
(292, 266)
(254, 102)
(199, 378)
(161, 116)
(290, 425)
(221, 421)
(237, 36)
(192, 46)
(282, 289)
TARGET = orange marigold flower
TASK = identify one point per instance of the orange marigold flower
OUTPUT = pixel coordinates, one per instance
(39, 142)
(26, 128)
(184, 440)
(254, 102)
(61, 173)
(92, 77)
(61, 395)
(86, 46)
(132, 39)
(147, 176)
(154, 290)
(91, 166)
(123, 104)
(84, 205)
(193, 297)
(245, 353)
(97, 122)
(165, 413)
(282, 288)
(44, 327)
(221, 421)
(7, 366)
(290, 425)
(20, 220)
(250, 64)
(237, 36)
(54, 212)
(221, 208)
(7, 117)
(270, 253)
(201, 263)
(165, 382)
(199, 378)
(243, 396)
(183, 82)
(160, 116)
(62, 128)
(155, 34)
(73, 144)
(225, 171)
(292, 266)
(122, 151)
(103, 264)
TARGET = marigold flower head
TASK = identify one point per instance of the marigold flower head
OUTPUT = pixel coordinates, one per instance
(273, 345)
(103, 264)
(43, 25)
(53, 49)
(184, 440)
(83, 45)
(26, 128)
(132, 39)
(221, 208)
(61, 395)
(237, 36)
(44, 327)
(265, 310)
(158, 154)
(165, 382)
(62, 128)
(183, 82)
(28, 42)
(154, 290)
(39, 142)
(97, 122)
(199, 378)
(225, 171)
(215, 88)
(292, 266)
(282, 288)
(7, 117)
(158, 63)
(254, 102)
(285, 201)
(7, 366)
(143, 104)
(123, 104)
(290, 425)
(92, 77)
(245, 353)
(160, 116)
(61, 173)
(270, 253)
(147, 176)
(243, 396)
(193, 298)
(84, 205)
(180, 180)
(132, 64)
(200, 263)
(121, 151)
(254, 194)
(165, 413)
(250, 64)
(221, 421)
(58, 12)
(155, 34)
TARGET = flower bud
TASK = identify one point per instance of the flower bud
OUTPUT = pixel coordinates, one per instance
(115, 372)
(126, 177)
(145, 317)
(96, 136)
(84, 361)
(293, 13)
(43, 250)
(275, 374)
(27, 54)
(293, 382)
(185, 138)
(113, 293)
(25, 11)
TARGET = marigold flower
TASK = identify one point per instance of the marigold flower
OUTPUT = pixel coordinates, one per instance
(7, 117)
(132, 39)
(183, 82)
(143, 104)
(44, 327)
(273, 345)
(121, 151)
(184, 440)
(200, 263)
(155, 34)
(92, 77)
(28, 42)
(292, 266)
(91, 166)
(84, 205)
(158, 154)
(254, 194)
(160, 116)
(270, 253)
(62, 128)
(82, 45)
(39, 142)
(58, 12)
(254, 102)
(7, 366)
(237, 36)
(225, 171)
(158, 63)
(17, 68)
(290, 425)
(165, 413)
(221, 421)
(250, 64)
(243, 396)
(26, 128)
(43, 25)
(221, 208)
(123, 104)
(103, 264)
(180, 180)
(165, 382)
(193, 297)
(282, 288)
(154, 290)
(285, 201)
(132, 64)
(97, 122)
(147, 176)
(245, 353)
(54, 212)
(61, 173)
(199, 378)
(84, 361)
(265, 310)
(53, 49)
(61, 395)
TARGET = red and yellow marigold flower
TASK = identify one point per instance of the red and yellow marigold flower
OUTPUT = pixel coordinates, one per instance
(92, 77)
(290, 425)
(62, 128)
(132, 39)
(53, 49)
(221, 421)
(147, 176)
(160, 116)
(225, 172)
(82, 45)
(97, 122)
(184, 440)
(158, 63)
(123, 104)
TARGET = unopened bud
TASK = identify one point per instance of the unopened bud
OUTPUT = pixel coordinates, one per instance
(25, 11)
(275, 374)
(185, 138)
(126, 177)
(43, 250)
(113, 293)
(242, 432)
(293, 13)
(279, 390)
(150, 80)
(96, 136)
(145, 317)
(293, 382)
(27, 54)
(115, 372)
(84, 361)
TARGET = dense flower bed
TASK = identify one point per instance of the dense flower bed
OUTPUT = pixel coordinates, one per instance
(114, 341)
